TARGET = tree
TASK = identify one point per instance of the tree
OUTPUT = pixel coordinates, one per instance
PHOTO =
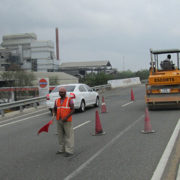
(102, 78)
(95, 79)
(18, 78)
(53, 80)
(143, 74)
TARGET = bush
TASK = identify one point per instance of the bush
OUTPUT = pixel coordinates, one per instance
(53, 80)
(18, 78)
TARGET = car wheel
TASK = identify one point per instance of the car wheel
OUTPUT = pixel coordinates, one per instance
(83, 106)
(97, 102)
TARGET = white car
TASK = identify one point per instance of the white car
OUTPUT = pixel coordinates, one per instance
(82, 96)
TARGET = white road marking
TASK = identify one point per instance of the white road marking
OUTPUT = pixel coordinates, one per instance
(36, 116)
(166, 154)
(81, 125)
(20, 116)
(22, 119)
(85, 164)
(178, 174)
(127, 104)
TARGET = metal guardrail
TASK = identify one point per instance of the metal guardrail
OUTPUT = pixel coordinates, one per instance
(21, 103)
(25, 88)
(36, 100)
(105, 86)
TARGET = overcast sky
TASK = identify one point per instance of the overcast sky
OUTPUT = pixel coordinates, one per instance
(121, 31)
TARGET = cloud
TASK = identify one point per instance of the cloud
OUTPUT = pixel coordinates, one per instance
(97, 29)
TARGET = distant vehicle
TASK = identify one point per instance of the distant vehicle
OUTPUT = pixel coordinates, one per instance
(82, 96)
(163, 87)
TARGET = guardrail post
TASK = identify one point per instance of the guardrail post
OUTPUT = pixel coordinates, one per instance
(21, 108)
(35, 105)
(2, 113)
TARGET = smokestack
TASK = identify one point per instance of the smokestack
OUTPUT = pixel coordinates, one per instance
(57, 44)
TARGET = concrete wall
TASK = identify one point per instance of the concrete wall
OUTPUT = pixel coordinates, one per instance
(124, 82)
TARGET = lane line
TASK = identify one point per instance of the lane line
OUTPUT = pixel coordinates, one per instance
(81, 125)
(178, 174)
(166, 154)
(22, 119)
(1, 121)
(85, 164)
(78, 126)
(127, 104)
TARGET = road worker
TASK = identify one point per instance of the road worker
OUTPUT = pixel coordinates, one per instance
(167, 64)
(63, 110)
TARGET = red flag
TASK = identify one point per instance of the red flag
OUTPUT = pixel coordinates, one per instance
(45, 127)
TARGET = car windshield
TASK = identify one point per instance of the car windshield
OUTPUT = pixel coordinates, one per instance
(68, 88)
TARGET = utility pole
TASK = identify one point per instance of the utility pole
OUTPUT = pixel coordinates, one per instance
(57, 44)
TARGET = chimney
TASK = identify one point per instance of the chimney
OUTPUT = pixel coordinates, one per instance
(57, 44)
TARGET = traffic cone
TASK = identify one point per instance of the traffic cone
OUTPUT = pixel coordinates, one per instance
(147, 124)
(98, 127)
(103, 106)
(132, 95)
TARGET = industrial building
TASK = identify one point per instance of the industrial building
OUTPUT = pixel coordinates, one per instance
(4, 58)
(28, 52)
(80, 69)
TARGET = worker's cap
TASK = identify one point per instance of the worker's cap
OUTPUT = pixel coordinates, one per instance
(62, 89)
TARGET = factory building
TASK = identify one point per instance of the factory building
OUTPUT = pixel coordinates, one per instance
(80, 69)
(4, 57)
(28, 52)
(31, 54)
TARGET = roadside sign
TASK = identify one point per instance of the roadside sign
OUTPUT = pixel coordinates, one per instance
(43, 86)
(43, 83)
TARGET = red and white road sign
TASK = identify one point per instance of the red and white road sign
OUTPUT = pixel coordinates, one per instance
(43, 86)
(43, 83)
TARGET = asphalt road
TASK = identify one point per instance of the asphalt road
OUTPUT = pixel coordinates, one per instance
(123, 153)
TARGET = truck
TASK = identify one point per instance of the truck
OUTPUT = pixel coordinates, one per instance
(163, 85)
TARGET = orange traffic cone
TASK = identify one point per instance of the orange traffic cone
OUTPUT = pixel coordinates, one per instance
(103, 106)
(132, 95)
(147, 124)
(98, 127)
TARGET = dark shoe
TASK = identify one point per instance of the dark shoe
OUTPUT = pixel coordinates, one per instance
(59, 152)
(67, 154)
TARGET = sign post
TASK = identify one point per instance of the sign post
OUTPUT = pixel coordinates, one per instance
(43, 86)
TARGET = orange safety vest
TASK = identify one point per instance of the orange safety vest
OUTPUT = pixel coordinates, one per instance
(63, 109)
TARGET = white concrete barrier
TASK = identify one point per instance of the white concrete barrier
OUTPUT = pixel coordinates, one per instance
(124, 82)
